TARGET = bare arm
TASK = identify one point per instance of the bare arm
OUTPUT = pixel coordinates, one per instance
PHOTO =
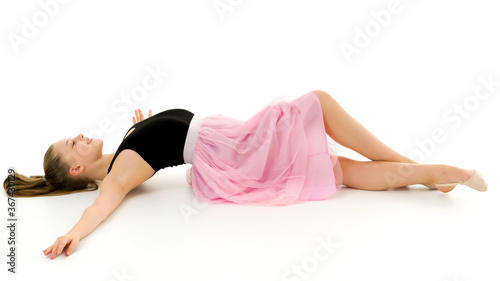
(129, 171)
(111, 196)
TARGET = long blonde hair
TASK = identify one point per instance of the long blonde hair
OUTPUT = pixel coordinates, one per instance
(59, 180)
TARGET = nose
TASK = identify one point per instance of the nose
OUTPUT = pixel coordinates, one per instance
(79, 137)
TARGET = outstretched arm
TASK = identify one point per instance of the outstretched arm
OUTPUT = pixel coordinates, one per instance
(110, 197)
(129, 171)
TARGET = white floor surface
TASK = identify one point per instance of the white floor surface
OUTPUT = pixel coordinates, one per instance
(414, 74)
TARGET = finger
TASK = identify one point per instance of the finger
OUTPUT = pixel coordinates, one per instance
(47, 251)
(141, 115)
(71, 247)
(133, 120)
(61, 246)
(54, 248)
(52, 251)
(53, 254)
(150, 113)
(137, 116)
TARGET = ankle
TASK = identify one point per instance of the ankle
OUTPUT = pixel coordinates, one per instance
(442, 174)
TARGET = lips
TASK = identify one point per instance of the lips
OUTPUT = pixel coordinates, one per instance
(89, 140)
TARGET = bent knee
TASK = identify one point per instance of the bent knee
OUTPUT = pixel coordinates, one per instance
(323, 96)
(320, 93)
(344, 161)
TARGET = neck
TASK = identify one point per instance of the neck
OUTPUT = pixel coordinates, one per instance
(100, 168)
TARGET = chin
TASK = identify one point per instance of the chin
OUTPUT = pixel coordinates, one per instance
(98, 143)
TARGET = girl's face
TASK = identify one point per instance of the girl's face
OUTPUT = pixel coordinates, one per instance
(79, 151)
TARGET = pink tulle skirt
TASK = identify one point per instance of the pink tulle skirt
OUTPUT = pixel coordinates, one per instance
(280, 156)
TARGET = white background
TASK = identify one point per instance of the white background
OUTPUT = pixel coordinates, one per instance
(72, 69)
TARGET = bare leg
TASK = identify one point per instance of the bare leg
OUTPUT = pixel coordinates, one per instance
(381, 175)
(388, 169)
(348, 132)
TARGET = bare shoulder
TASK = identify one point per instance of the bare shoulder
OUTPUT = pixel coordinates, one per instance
(129, 170)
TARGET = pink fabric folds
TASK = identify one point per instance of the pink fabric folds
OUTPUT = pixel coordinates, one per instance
(280, 156)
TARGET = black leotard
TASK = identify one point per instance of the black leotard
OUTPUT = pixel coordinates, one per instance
(159, 139)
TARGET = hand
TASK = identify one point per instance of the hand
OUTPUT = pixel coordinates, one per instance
(139, 116)
(69, 240)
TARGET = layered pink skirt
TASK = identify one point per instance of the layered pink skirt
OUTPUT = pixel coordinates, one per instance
(280, 156)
